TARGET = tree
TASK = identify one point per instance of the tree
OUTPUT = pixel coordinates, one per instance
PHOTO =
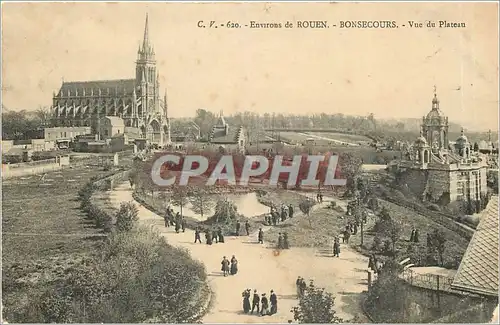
(349, 166)
(394, 233)
(201, 201)
(225, 211)
(306, 207)
(438, 243)
(316, 307)
(127, 216)
(179, 197)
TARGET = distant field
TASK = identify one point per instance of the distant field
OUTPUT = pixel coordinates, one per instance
(341, 136)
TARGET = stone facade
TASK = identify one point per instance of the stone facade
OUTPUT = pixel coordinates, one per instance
(137, 101)
(439, 172)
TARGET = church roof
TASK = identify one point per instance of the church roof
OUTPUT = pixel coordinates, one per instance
(435, 113)
(222, 138)
(116, 87)
(478, 271)
(115, 120)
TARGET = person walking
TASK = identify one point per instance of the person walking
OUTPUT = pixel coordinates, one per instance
(225, 266)
(246, 301)
(197, 236)
(247, 227)
(255, 301)
(286, 244)
(220, 235)
(261, 236)
(238, 226)
(234, 265)
(280, 241)
(183, 224)
(274, 303)
(336, 247)
(264, 311)
(290, 211)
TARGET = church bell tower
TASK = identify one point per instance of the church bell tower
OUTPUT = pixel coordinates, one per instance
(146, 76)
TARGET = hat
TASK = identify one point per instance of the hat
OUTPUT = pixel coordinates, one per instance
(255, 291)
(263, 294)
(272, 291)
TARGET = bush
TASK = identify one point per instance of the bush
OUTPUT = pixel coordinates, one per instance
(127, 216)
(136, 277)
(433, 207)
(316, 307)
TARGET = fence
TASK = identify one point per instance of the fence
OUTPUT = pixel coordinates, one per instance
(33, 163)
(428, 281)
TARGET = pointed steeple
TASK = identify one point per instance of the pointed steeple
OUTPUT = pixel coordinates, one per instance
(145, 41)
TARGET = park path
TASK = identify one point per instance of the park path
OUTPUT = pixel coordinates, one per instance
(259, 267)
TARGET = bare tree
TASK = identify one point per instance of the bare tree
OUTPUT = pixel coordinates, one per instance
(201, 201)
(179, 197)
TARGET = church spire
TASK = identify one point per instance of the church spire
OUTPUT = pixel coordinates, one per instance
(145, 41)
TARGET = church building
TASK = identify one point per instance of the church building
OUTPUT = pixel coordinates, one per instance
(137, 101)
(441, 172)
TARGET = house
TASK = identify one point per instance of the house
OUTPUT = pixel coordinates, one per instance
(478, 271)
(224, 136)
(110, 126)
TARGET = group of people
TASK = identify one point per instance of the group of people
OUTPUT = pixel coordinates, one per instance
(229, 267)
(301, 286)
(247, 228)
(283, 241)
(276, 216)
(263, 305)
(176, 220)
(210, 236)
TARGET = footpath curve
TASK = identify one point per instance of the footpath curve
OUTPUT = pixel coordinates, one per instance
(259, 268)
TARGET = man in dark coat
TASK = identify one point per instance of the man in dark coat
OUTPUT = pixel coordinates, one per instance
(238, 226)
(412, 236)
(290, 211)
(247, 227)
(280, 241)
(415, 239)
(255, 301)
(221, 236)
(274, 303)
(261, 236)
(215, 237)
(283, 214)
(286, 244)
(197, 235)
(264, 311)
(225, 266)
(183, 225)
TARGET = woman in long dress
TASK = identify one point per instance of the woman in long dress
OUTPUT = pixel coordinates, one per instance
(246, 301)
(234, 265)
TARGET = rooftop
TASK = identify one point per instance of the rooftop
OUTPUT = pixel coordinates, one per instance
(478, 271)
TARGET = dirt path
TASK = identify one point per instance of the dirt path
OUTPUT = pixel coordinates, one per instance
(260, 268)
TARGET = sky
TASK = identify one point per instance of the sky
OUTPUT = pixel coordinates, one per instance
(388, 72)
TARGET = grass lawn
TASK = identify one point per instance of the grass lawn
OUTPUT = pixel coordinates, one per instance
(43, 232)
(326, 224)
(455, 244)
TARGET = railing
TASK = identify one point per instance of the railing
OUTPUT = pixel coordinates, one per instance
(428, 281)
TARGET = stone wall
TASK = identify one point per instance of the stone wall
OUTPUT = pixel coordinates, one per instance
(415, 179)
(438, 183)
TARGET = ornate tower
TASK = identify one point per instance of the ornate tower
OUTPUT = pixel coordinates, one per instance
(146, 77)
(435, 127)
